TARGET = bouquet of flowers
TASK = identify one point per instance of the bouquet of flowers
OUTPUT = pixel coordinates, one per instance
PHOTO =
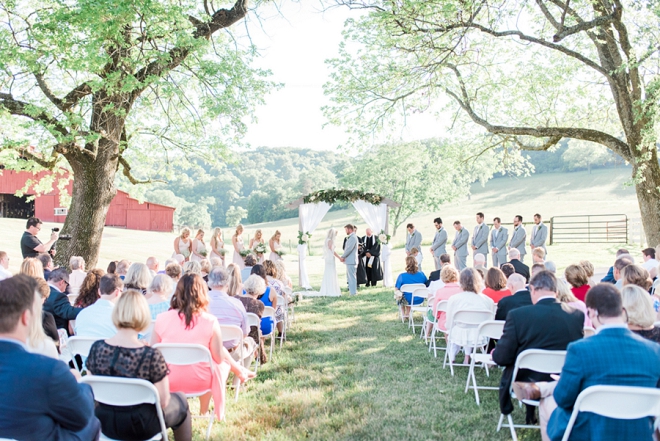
(260, 248)
(244, 253)
(383, 238)
(303, 238)
(280, 253)
(204, 253)
(222, 251)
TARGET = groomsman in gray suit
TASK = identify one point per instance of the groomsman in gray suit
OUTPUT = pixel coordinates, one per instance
(518, 237)
(438, 247)
(459, 245)
(350, 258)
(480, 239)
(539, 233)
(414, 240)
(498, 239)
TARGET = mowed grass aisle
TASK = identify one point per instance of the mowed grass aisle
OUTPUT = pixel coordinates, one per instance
(351, 371)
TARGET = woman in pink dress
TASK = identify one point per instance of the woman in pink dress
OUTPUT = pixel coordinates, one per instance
(189, 322)
(449, 275)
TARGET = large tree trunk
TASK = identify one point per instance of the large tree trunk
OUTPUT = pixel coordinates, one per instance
(648, 196)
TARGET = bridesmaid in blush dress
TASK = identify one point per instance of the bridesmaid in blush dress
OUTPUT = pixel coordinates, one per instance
(275, 246)
(199, 252)
(183, 244)
(218, 245)
(256, 240)
(237, 242)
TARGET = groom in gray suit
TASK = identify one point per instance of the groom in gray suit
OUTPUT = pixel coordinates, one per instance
(539, 233)
(459, 245)
(350, 258)
(498, 239)
(518, 237)
(438, 247)
(480, 238)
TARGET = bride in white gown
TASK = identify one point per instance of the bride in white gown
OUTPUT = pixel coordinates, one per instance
(330, 284)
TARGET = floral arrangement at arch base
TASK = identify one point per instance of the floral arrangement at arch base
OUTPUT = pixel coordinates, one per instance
(303, 238)
(333, 195)
(383, 238)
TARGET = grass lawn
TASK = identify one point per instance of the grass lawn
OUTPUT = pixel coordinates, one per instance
(351, 371)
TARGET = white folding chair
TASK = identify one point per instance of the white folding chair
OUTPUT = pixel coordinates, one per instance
(281, 302)
(418, 293)
(120, 391)
(72, 298)
(254, 320)
(290, 308)
(655, 285)
(538, 360)
(441, 306)
(589, 331)
(269, 311)
(80, 346)
(410, 287)
(183, 354)
(492, 329)
(233, 332)
(470, 319)
(618, 402)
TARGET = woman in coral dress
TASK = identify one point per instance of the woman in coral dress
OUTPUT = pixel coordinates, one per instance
(189, 322)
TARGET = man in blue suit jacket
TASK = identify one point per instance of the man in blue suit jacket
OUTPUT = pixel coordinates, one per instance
(614, 356)
(40, 398)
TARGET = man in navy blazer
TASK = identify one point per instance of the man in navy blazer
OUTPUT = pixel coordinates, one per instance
(57, 302)
(614, 356)
(40, 398)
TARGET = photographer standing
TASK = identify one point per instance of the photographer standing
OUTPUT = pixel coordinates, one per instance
(30, 243)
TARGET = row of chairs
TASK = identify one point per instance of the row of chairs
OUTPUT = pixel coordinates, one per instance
(610, 401)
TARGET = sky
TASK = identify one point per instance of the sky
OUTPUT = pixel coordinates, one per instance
(294, 44)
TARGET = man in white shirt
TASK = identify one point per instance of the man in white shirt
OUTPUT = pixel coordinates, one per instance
(152, 264)
(4, 266)
(77, 275)
(230, 311)
(96, 320)
(650, 264)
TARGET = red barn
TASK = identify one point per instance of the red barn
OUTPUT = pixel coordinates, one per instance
(124, 211)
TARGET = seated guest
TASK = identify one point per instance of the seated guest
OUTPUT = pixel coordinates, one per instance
(138, 278)
(206, 268)
(180, 259)
(189, 322)
(32, 267)
(46, 262)
(650, 263)
(619, 264)
(38, 342)
(47, 319)
(250, 261)
(235, 283)
(521, 268)
(638, 305)
(507, 269)
(216, 262)
(77, 275)
(112, 267)
(434, 281)
(271, 280)
(40, 398)
(636, 275)
(229, 310)
(282, 276)
(565, 295)
(153, 265)
(537, 267)
(479, 261)
(192, 267)
(4, 266)
(544, 325)
(255, 287)
(160, 291)
(268, 298)
(96, 320)
(609, 277)
(58, 303)
(414, 252)
(174, 271)
(469, 299)
(122, 268)
(623, 359)
(577, 277)
(550, 266)
(589, 269)
(521, 297)
(123, 355)
(495, 285)
(538, 255)
(412, 275)
(449, 276)
(89, 290)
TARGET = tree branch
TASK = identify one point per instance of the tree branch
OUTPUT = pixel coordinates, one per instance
(76, 94)
(132, 179)
(20, 108)
(584, 26)
(41, 82)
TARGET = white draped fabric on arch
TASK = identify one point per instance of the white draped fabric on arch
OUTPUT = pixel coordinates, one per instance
(376, 216)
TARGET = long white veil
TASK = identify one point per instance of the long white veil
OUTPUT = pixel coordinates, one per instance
(327, 252)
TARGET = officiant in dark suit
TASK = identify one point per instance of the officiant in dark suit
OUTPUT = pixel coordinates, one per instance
(371, 258)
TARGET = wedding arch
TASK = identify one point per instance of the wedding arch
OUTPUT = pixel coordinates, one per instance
(372, 207)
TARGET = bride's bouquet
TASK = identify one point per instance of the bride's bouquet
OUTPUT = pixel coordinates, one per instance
(303, 238)
(260, 248)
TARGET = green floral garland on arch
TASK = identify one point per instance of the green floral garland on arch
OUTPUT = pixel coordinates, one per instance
(333, 195)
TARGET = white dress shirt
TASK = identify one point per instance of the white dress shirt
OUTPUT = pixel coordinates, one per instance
(96, 320)
(4, 273)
